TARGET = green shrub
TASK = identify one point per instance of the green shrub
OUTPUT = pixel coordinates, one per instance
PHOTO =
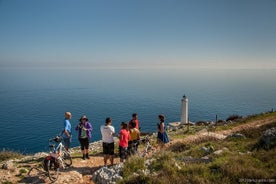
(233, 117)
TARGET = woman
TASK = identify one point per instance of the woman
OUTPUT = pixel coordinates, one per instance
(123, 142)
(162, 136)
(85, 129)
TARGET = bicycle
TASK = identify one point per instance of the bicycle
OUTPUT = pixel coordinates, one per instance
(58, 158)
(134, 150)
(147, 147)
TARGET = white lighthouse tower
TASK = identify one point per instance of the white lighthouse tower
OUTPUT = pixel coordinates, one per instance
(184, 110)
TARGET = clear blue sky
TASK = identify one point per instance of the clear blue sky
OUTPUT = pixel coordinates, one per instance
(138, 33)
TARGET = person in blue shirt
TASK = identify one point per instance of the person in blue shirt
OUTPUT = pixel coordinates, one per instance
(67, 131)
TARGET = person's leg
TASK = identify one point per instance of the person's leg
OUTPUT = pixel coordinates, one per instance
(82, 148)
(111, 159)
(111, 152)
(105, 152)
(125, 154)
(86, 145)
(121, 154)
(66, 143)
(105, 159)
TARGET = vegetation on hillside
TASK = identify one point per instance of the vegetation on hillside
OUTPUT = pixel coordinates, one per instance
(207, 160)
(236, 160)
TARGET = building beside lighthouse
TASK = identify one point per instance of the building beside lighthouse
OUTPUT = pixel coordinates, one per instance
(184, 110)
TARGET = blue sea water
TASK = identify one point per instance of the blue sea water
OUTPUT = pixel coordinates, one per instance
(33, 100)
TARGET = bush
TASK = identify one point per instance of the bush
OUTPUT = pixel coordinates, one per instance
(233, 117)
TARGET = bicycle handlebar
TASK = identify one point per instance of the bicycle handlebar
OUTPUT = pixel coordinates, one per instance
(56, 139)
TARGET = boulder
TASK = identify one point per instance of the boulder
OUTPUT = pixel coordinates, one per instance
(9, 165)
(236, 136)
(268, 139)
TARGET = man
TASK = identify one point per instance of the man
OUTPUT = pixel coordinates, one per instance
(107, 132)
(67, 130)
(135, 120)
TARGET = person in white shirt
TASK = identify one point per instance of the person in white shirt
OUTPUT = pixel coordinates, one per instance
(107, 132)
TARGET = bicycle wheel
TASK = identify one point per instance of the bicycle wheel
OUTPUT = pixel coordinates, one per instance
(52, 170)
(67, 159)
(34, 175)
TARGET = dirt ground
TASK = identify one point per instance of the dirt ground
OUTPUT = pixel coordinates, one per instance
(88, 167)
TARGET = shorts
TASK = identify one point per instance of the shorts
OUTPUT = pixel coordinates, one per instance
(123, 152)
(67, 142)
(108, 148)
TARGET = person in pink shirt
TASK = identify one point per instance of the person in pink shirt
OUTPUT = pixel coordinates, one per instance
(124, 137)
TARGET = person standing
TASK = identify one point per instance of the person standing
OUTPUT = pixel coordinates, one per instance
(123, 142)
(108, 131)
(162, 136)
(67, 130)
(134, 138)
(135, 120)
(85, 129)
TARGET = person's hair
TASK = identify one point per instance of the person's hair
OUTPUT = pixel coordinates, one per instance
(67, 114)
(161, 117)
(132, 124)
(108, 120)
(134, 114)
(124, 125)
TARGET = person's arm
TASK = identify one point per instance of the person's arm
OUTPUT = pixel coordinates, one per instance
(112, 131)
(89, 127)
(67, 133)
(120, 136)
(66, 129)
(77, 127)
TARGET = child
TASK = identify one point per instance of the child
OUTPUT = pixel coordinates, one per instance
(123, 143)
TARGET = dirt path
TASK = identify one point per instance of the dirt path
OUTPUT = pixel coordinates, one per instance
(87, 167)
(222, 134)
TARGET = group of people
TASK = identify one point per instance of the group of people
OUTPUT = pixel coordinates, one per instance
(129, 136)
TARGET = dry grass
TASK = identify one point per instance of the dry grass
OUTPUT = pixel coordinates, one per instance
(235, 163)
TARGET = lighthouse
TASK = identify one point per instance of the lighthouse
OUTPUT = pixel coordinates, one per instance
(184, 110)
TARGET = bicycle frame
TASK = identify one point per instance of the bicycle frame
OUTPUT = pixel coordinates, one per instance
(59, 151)
(147, 147)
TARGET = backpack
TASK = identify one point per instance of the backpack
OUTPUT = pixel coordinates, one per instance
(53, 163)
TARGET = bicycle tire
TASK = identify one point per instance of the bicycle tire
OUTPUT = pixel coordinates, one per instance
(34, 175)
(52, 170)
(67, 159)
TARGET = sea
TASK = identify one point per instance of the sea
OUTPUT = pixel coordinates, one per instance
(33, 100)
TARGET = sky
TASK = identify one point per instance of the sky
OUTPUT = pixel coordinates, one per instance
(138, 33)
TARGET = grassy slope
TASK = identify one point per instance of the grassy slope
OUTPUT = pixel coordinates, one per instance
(237, 163)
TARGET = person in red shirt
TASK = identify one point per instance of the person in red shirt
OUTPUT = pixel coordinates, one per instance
(135, 120)
(123, 143)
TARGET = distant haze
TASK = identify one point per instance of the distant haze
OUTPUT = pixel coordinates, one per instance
(139, 33)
